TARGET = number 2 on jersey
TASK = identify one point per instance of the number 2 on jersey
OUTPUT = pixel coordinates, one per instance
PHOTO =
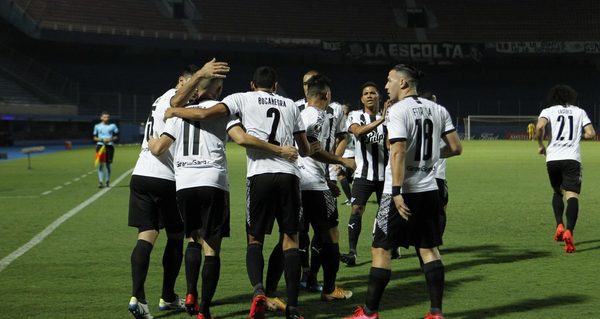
(424, 135)
(274, 113)
(561, 120)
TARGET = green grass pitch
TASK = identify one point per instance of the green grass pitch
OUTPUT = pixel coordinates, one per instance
(499, 254)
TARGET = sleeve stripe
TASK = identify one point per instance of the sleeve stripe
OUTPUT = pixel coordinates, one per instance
(227, 107)
(169, 135)
(400, 139)
(543, 117)
(236, 124)
(448, 132)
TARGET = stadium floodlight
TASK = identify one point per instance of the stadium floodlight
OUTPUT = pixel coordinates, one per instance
(494, 127)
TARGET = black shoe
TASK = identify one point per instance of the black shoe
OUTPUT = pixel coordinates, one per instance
(312, 284)
(349, 258)
(100, 185)
(107, 184)
(292, 313)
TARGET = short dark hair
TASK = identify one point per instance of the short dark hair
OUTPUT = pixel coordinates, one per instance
(561, 94)
(369, 84)
(427, 95)
(105, 113)
(189, 70)
(412, 72)
(317, 86)
(264, 77)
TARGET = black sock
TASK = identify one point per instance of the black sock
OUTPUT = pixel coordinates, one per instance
(172, 259)
(559, 207)
(572, 213)
(255, 264)
(354, 227)
(292, 275)
(378, 280)
(193, 259)
(346, 188)
(274, 270)
(140, 260)
(331, 265)
(316, 247)
(210, 278)
(304, 243)
(434, 275)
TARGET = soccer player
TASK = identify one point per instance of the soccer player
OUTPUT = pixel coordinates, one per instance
(152, 205)
(202, 188)
(371, 156)
(530, 131)
(272, 182)
(318, 203)
(409, 211)
(563, 156)
(105, 133)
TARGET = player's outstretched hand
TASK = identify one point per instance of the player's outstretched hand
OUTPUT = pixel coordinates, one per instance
(289, 152)
(214, 69)
(169, 113)
(542, 150)
(386, 105)
(403, 210)
(349, 163)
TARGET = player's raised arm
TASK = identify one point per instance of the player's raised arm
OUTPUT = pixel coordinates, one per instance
(539, 134)
(327, 157)
(198, 114)
(240, 137)
(588, 132)
(158, 146)
(453, 145)
(212, 69)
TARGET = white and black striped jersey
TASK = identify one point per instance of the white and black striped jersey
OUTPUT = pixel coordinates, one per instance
(370, 152)
(421, 123)
(314, 174)
(566, 123)
(199, 153)
(148, 164)
(337, 121)
(271, 118)
(301, 104)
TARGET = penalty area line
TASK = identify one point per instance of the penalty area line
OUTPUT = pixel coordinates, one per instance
(6, 261)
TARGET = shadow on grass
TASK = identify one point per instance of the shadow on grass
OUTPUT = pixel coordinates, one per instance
(526, 305)
(167, 314)
(398, 294)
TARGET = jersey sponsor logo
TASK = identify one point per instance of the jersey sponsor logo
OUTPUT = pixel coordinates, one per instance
(372, 137)
(419, 169)
(271, 101)
(192, 162)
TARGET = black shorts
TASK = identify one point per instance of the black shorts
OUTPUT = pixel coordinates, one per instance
(443, 191)
(319, 209)
(152, 204)
(422, 229)
(363, 188)
(565, 174)
(204, 209)
(272, 196)
(110, 152)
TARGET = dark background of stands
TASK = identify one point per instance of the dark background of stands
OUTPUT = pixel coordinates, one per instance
(75, 58)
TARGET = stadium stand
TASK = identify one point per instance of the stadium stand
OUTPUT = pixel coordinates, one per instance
(14, 94)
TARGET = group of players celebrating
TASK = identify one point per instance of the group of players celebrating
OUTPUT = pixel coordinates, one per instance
(180, 183)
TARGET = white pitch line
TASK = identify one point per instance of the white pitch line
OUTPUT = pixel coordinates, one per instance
(84, 176)
(76, 179)
(46, 192)
(67, 183)
(57, 188)
(6, 261)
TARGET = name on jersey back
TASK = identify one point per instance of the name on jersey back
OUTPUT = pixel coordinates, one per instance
(420, 111)
(271, 101)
